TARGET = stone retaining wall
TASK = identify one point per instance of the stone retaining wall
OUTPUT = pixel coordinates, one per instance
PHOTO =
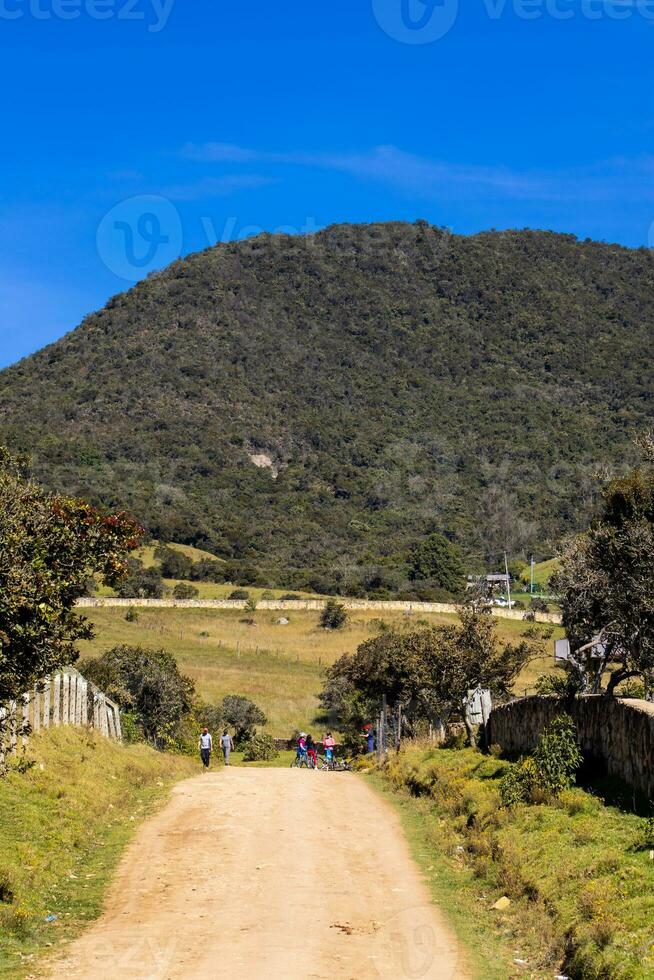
(617, 734)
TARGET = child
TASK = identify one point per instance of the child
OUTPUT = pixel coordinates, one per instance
(329, 743)
(312, 751)
(302, 745)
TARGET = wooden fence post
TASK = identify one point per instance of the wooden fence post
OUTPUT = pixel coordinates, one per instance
(36, 709)
(119, 731)
(46, 703)
(111, 728)
(65, 681)
(104, 724)
(78, 700)
(85, 702)
(96, 709)
(56, 710)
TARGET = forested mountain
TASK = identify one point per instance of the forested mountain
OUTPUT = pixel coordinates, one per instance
(397, 380)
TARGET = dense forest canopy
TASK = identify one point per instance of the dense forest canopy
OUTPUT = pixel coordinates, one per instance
(325, 403)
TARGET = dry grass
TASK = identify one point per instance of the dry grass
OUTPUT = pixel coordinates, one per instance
(279, 667)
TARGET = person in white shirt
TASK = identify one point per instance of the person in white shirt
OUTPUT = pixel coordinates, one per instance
(206, 745)
(226, 745)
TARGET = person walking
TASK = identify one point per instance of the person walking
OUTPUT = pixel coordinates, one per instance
(226, 745)
(206, 745)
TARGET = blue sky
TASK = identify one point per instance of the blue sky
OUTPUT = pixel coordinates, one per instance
(136, 130)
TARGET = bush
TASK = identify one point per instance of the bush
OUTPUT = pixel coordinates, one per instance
(557, 755)
(131, 616)
(140, 582)
(239, 594)
(290, 596)
(539, 605)
(549, 771)
(183, 590)
(333, 616)
(260, 748)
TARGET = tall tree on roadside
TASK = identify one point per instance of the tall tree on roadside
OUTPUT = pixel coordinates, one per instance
(50, 546)
(606, 582)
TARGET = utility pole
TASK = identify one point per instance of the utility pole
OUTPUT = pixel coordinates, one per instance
(508, 580)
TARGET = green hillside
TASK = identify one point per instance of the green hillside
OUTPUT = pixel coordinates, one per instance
(388, 379)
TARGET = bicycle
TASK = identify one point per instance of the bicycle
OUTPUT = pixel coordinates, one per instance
(334, 765)
(301, 762)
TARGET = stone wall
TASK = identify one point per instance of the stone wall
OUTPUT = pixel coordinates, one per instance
(617, 734)
(309, 604)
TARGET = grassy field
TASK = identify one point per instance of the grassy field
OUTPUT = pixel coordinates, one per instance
(279, 667)
(577, 872)
(63, 825)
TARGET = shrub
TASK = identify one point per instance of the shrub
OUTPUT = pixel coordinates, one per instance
(260, 748)
(549, 771)
(140, 582)
(333, 616)
(538, 605)
(183, 590)
(131, 616)
(557, 755)
(239, 594)
(290, 596)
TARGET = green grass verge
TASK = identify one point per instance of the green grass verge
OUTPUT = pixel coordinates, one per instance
(63, 826)
(577, 872)
(453, 887)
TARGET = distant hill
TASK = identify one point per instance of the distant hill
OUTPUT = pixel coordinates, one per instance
(315, 406)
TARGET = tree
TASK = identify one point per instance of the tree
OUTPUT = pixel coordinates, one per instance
(333, 615)
(428, 672)
(606, 587)
(50, 546)
(174, 564)
(439, 561)
(184, 590)
(243, 716)
(148, 684)
(140, 582)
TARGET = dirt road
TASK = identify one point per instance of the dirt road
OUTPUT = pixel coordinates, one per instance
(268, 873)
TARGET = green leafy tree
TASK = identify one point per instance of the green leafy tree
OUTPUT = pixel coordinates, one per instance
(243, 716)
(333, 615)
(184, 590)
(428, 672)
(50, 546)
(606, 586)
(439, 561)
(174, 564)
(140, 582)
(148, 685)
